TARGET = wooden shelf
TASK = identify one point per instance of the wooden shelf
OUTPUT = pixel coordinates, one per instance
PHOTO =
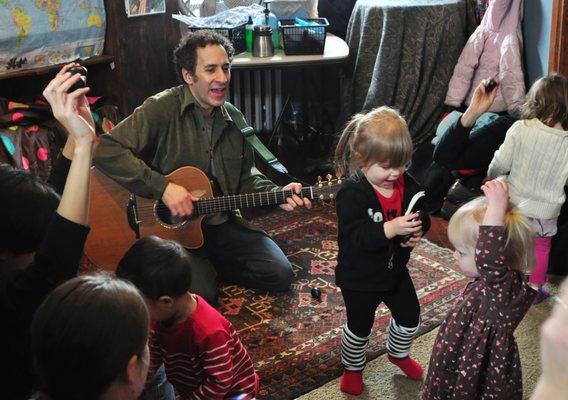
(103, 59)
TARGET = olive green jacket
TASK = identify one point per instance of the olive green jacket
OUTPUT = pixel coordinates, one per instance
(164, 134)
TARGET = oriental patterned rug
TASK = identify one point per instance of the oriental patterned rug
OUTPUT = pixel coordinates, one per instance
(294, 339)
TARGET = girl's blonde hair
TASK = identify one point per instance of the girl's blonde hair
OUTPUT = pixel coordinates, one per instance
(379, 136)
(547, 100)
(463, 232)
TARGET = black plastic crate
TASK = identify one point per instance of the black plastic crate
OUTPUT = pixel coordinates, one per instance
(301, 40)
(236, 35)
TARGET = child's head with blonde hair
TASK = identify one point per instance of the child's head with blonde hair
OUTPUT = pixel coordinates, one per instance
(463, 232)
(547, 100)
(379, 136)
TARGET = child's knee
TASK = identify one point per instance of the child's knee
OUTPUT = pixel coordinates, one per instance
(410, 318)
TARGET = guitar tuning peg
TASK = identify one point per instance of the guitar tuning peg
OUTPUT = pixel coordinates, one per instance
(319, 179)
(329, 177)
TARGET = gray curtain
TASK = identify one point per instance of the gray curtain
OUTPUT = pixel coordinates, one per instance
(403, 53)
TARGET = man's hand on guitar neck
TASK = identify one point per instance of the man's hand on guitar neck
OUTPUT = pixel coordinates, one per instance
(178, 200)
(294, 201)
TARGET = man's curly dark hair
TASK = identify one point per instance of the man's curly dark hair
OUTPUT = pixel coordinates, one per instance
(185, 54)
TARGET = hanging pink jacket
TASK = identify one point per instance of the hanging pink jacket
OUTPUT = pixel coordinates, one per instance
(494, 50)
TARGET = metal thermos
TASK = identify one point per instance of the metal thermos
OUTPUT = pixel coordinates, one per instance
(262, 43)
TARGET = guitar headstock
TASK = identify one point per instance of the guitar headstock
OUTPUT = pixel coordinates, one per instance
(326, 189)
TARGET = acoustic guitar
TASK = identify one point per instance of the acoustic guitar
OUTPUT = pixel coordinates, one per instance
(118, 218)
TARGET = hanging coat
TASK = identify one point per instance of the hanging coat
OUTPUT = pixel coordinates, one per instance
(494, 50)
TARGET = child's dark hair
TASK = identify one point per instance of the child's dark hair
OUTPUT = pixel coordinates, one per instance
(85, 333)
(185, 54)
(379, 136)
(27, 205)
(157, 267)
(547, 100)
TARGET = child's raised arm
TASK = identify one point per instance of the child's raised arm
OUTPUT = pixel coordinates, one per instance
(72, 110)
(490, 248)
(497, 194)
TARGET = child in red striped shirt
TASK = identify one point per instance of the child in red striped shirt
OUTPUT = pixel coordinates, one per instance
(201, 351)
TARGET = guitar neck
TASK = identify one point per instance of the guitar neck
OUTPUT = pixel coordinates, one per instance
(249, 200)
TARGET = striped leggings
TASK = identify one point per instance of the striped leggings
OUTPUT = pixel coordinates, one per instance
(361, 306)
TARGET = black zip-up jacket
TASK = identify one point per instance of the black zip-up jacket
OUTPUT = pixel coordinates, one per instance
(472, 147)
(363, 260)
(23, 290)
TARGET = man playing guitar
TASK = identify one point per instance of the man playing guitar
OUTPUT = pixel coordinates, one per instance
(193, 125)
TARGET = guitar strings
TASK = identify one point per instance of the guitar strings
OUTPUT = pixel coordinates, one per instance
(232, 200)
(226, 203)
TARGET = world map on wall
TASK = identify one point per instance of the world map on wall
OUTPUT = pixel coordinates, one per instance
(36, 33)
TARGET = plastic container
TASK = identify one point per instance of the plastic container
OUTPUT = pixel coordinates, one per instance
(270, 19)
(236, 35)
(302, 40)
(249, 29)
(220, 6)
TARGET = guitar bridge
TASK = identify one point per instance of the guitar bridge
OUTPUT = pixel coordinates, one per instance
(132, 215)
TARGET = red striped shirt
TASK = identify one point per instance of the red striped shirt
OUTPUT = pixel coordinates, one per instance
(204, 357)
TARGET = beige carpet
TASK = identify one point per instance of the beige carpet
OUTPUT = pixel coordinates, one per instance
(384, 381)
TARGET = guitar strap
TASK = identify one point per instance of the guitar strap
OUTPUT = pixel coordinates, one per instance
(254, 141)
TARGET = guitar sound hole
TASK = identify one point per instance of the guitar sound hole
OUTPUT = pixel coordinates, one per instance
(164, 215)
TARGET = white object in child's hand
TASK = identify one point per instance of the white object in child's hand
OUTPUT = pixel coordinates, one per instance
(414, 200)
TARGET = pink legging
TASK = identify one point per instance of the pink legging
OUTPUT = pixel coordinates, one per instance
(541, 250)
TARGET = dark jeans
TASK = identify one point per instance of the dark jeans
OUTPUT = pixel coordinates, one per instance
(402, 302)
(158, 387)
(242, 256)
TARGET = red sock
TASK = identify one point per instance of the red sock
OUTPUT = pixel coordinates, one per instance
(351, 382)
(410, 367)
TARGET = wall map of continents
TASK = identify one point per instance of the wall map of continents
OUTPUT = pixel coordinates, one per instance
(36, 33)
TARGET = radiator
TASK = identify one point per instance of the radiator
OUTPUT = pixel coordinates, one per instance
(258, 94)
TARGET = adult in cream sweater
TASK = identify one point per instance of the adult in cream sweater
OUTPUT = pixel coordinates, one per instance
(535, 155)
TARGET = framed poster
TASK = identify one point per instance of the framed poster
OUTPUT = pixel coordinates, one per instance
(136, 8)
